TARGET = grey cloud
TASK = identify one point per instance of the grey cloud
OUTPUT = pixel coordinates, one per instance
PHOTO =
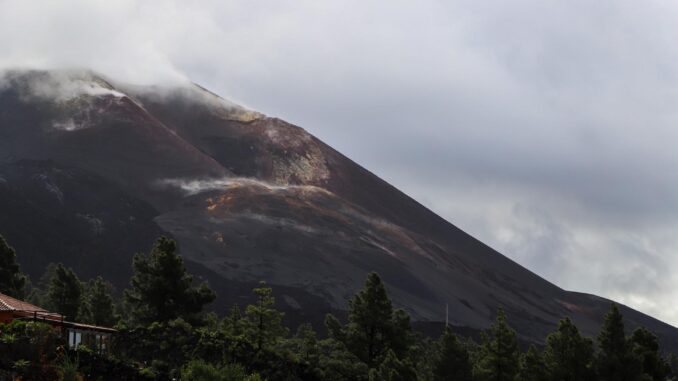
(546, 129)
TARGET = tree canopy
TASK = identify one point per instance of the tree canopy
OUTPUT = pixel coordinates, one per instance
(98, 306)
(167, 335)
(161, 287)
(568, 356)
(499, 354)
(615, 360)
(452, 362)
(12, 280)
(374, 327)
(64, 293)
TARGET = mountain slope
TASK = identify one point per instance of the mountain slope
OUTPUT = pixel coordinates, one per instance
(250, 197)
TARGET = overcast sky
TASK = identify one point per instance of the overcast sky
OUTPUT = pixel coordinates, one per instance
(547, 129)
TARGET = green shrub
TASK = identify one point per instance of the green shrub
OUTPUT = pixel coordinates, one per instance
(199, 370)
(68, 370)
(29, 349)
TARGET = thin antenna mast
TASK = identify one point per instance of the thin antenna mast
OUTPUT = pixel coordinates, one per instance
(447, 315)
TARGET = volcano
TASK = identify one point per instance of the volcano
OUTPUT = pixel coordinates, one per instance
(92, 170)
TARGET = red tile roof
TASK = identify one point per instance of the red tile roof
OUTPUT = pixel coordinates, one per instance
(7, 303)
(26, 310)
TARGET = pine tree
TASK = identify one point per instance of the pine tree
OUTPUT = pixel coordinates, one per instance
(233, 322)
(98, 306)
(568, 356)
(393, 369)
(162, 288)
(373, 326)
(452, 362)
(64, 293)
(38, 293)
(264, 322)
(645, 347)
(401, 338)
(338, 363)
(532, 367)
(615, 361)
(498, 357)
(307, 345)
(370, 321)
(12, 281)
(424, 352)
(672, 360)
(335, 329)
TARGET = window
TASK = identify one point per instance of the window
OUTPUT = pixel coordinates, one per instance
(74, 339)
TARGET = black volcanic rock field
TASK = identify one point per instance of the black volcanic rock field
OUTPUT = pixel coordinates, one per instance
(91, 171)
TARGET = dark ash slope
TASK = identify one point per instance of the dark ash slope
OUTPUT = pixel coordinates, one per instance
(248, 197)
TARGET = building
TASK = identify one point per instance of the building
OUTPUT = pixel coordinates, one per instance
(94, 337)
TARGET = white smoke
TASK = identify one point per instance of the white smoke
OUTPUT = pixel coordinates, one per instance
(66, 85)
(195, 186)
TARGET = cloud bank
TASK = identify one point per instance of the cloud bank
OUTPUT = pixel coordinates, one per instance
(545, 129)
